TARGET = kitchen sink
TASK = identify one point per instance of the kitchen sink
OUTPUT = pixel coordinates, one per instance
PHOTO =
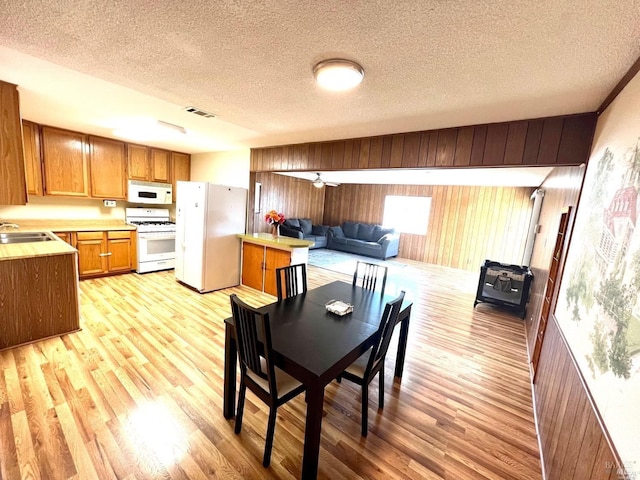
(24, 237)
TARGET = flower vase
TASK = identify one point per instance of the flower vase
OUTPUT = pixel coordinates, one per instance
(275, 231)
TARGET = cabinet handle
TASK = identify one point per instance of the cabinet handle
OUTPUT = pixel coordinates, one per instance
(105, 254)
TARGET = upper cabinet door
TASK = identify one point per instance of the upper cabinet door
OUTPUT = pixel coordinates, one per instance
(160, 165)
(181, 169)
(13, 185)
(66, 170)
(139, 168)
(108, 162)
(32, 160)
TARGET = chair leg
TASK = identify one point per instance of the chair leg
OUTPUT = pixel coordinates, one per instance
(271, 427)
(365, 409)
(243, 390)
(381, 388)
(339, 378)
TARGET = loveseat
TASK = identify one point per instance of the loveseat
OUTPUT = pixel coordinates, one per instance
(303, 229)
(364, 239)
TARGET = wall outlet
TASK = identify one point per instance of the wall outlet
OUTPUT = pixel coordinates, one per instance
(109, 203)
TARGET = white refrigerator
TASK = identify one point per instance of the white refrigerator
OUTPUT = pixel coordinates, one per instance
(208, 218)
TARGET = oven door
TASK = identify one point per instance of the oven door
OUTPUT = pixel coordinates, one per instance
(156, 246)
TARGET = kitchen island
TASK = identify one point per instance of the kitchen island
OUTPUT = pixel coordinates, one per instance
(262, 253)
(38, 291)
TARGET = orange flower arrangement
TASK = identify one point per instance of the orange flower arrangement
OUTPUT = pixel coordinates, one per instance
(274, 218)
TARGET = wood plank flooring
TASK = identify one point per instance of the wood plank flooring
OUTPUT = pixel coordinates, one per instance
(137, 394)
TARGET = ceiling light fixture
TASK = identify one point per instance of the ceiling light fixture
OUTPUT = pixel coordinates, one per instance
(338, 74)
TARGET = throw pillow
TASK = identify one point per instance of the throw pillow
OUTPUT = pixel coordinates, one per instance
(379, 232)
(365, 232)
(337, 232)
(320, 230)
(350, 229)
(293, 223)
(305, 225)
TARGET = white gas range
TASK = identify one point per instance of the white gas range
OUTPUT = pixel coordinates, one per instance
(156, 238)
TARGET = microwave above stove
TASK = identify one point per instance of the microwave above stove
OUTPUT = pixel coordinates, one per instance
(150, 192)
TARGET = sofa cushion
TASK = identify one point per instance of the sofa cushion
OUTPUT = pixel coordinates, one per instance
(379, 232)
(365, 232)
(305, 225)
(293, 223)
(337, 232)
(355, 242)
(350, 229)
(321, 230)
(371, 246)
(339, 240)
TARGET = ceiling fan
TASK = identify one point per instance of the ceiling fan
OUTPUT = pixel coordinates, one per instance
(319, 183)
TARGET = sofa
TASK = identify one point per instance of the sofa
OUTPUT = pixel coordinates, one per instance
(364, 239)
(303, 229)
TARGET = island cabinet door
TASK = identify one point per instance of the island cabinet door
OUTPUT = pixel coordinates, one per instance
(92, 254)
(274, 258)
(252, 265)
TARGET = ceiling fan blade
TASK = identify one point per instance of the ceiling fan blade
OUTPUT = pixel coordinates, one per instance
(331, 184)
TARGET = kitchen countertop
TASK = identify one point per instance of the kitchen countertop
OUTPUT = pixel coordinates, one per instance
(281, 241)
(59, 247)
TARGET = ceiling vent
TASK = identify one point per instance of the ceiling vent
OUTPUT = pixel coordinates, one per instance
(202, 113)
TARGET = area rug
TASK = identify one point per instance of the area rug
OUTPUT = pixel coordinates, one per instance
(342, 262)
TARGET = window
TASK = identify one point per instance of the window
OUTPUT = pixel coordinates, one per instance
(407, 214)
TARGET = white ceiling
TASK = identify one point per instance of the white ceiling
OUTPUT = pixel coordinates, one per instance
(488, 177)
(428, 64)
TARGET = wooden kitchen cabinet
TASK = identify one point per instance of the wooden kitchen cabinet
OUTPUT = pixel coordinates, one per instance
(181, 165)
(108, 167)
(68, 237)
(13, 185)
(32, 159)
(65, 164)
(259, 263)
(138, 161)
(102, 253)
(160, 165)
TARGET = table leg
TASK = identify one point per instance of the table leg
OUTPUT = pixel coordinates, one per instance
(312, 431)
(230, 361)
(402, 341)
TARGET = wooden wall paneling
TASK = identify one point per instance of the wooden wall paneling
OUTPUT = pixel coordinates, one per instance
(459, 260)
(464, 143)
(574, 446)
(385, 158)
(550, 140)
(365, 152)
(432, 149)
(326, 155)
(532, 142)
(576, 139)
(496, 143)
(478, 144)
(337, 161)
(348, 154)
(356, 153)
(410, 150)
(516, 138)
(423, 152)
(446, 149)
(375, 153)
(397, 150)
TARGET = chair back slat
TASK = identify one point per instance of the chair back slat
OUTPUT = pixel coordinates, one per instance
(291, 280)
(385, 332)
(249, 323)
(371, 273)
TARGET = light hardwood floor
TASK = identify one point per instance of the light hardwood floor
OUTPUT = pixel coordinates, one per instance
(138, 393)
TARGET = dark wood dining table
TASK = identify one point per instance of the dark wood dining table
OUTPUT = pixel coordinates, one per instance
(315, 346)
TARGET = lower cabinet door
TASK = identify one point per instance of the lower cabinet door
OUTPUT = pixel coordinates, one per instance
(120, 258)
(252, 265)
(91, 253)
(274, 258)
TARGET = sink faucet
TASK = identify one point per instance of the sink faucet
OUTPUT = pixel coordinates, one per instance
(9, 225)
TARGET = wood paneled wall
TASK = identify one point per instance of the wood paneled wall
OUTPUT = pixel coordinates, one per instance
(291, 196)
(466, 226)
(562, 189)
(561, 140)
(574, 446)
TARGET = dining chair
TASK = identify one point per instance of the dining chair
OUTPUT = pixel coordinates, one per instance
(371, 273)
(257, 371)
(371, 363)
(291, 280)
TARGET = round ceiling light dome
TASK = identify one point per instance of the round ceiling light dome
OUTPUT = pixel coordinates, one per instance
(338, 74)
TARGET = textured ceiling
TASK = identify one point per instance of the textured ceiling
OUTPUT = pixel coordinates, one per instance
(428, 64)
